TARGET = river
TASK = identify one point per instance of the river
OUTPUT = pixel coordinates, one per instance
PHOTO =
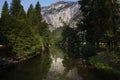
(51, 66)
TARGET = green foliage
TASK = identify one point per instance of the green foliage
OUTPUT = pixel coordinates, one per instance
(4, 21)
(31, 17)
(22, 14)
(29, 11)
(15, 8)
(24, 34)
(5, 12)
(43, 30)
(107, 61)
(100, 20)
(38, 11)
(71, 41)
(22, 39)
(56, 36)
(87, 51)
(34, 18)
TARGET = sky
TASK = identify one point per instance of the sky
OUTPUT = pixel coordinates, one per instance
(26, 3)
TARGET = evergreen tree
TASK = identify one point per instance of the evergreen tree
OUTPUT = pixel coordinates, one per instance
(34, 16)
(38, 11)
(15, 8)
(44, 31)
(71, 41)
(22, 14)
(5, 11)
(30, 10)
(87, 8)
(31, 16)
(20, 33)
(38, 26)
(5, 16)
(115, 19)
(98, 20)
(4, 23)
(23, 40)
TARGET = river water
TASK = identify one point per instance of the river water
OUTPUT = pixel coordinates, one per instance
(52, 66)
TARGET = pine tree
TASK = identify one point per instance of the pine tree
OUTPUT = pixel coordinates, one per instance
(43, 31)
(70, 41)
(5, 16)
(23, 41)
(34, 14)
(22, 14)
(20, 32)
(100, 21)
(115, 20)
(31, 16)
(4, 24)
(87, 13)
(34, 18)
(15, 8)
(38, 11)
(30, 10)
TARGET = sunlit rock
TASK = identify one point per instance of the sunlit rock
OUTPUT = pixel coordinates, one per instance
(60, 12)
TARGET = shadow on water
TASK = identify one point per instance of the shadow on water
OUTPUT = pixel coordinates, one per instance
(34, 69)
(53, 66)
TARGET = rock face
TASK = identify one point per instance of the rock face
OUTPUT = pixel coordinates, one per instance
(60, 12)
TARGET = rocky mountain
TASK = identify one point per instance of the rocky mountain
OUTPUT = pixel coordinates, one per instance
(60, 12)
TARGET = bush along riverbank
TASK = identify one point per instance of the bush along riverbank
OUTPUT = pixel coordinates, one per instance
(108, 62)
(7, 62)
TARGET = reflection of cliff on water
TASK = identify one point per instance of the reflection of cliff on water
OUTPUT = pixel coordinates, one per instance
(58, 70)
(54, 66)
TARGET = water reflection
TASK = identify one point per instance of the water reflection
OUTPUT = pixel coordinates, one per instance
(34, 69)
(75, 70)
(58, 71)
(57, 66)
(53, 66)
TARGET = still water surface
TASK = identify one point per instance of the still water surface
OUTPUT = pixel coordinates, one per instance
(53, 66)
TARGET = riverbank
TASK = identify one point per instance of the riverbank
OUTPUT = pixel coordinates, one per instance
(108, 62)
(8, 62)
